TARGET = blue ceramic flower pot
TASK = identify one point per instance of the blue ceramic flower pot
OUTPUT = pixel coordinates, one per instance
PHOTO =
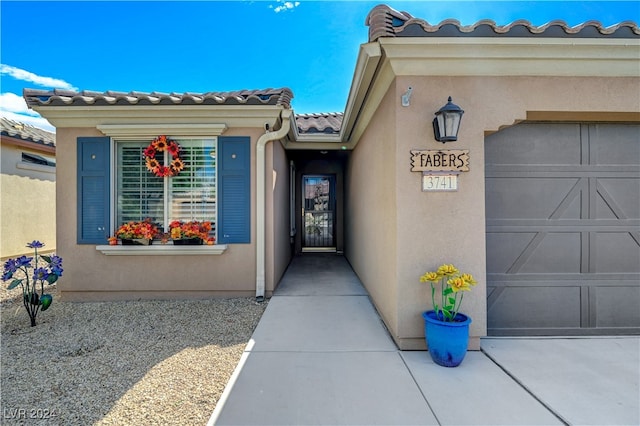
(447, 342)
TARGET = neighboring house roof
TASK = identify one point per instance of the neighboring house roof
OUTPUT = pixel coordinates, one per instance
(57, 97)
(27, 133)
(384, 21)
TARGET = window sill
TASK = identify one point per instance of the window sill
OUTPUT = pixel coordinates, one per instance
(161, 250)
(36, 167)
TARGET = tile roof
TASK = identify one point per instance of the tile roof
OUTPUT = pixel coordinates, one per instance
(58, 97)
(384, 21)
(26, 132)
(328, 123)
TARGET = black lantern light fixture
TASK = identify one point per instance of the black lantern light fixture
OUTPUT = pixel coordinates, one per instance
(447, 122)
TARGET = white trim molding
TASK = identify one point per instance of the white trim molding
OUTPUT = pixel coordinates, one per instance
(161, 250)
(159, 116)
(36, 167)
(131, 130)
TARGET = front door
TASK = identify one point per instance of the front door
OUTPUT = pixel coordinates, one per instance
(318, 213)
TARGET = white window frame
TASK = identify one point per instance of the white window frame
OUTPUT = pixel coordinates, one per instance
(159, 249)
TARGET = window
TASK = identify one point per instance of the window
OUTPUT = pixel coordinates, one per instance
(37, 159)
(190, 195)
(215, 185)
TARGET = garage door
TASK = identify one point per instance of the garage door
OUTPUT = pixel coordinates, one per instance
(563, 229)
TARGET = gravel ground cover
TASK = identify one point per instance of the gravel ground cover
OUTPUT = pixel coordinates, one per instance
(119, 363)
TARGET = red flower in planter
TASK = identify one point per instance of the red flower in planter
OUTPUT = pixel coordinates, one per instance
(135, 230)
(194, 229)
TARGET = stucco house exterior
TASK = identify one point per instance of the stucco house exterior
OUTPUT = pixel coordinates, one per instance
(27, 184)
(545, 212)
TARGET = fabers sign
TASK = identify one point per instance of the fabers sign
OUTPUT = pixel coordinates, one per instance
(440, 169)
(440, 161)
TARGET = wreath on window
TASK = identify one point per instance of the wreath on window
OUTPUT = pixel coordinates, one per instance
(160, 145)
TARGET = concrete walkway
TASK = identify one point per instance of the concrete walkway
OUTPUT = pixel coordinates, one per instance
(321, 356)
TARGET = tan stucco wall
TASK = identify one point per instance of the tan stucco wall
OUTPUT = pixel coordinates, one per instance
(405, 231)
(371, 213)
(278, 253)
(90, 275)
(27, 204)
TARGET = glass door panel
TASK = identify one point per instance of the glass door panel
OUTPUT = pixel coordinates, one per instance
(318, 212)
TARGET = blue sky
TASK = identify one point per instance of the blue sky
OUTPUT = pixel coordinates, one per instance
(202, 46)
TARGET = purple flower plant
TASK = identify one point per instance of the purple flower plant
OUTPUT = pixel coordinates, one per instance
(33, 300)
(35, 244)
(40, 274)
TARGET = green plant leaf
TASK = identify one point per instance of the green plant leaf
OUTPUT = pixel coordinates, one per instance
(46, 258)
(15, 283)
(46, 301)
(452, 301)
(447, 291)
(52, 278)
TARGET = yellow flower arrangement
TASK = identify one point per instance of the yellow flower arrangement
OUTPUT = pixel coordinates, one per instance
(453, 283)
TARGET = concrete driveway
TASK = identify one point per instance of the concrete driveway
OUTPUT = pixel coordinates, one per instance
(322, 356)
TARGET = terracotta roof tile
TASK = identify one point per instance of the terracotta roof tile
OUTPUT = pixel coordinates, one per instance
(328, 123)
(384, 21)
(58, 97)
(26, 132)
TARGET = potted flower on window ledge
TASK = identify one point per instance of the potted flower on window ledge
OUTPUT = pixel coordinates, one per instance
(190, 233)
(137, 233)
(446, 328)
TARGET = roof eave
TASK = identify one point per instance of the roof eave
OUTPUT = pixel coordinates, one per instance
(161, 115)
(28, 144)
(447, 56)
(369, 57)
(472, 57)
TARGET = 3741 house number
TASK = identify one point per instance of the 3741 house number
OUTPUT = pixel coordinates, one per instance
(439, 182)
(440, 169)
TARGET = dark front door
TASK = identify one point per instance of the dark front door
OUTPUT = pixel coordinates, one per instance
(318, 213)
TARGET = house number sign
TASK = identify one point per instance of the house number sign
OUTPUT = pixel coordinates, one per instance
(440, 169)
(442, 181)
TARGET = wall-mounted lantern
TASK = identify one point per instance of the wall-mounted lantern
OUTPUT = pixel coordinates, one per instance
(447, 122)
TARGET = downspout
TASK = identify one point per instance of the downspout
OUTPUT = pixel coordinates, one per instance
(292, 200)
(260, 200)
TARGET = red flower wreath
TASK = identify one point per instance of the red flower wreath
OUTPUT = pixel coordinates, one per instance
(161, 144)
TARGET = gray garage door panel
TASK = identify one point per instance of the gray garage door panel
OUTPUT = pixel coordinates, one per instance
(563, 229)
(610, 300)
(543, 299)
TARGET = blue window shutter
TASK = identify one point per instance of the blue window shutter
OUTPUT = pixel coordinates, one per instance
(93, 190)
(234, 186)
